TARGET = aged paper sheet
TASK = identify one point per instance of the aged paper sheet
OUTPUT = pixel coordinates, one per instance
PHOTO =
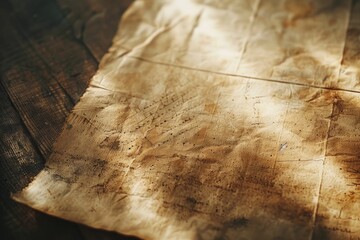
(207, 119)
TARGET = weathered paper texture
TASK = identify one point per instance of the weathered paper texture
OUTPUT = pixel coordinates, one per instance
(216, 120)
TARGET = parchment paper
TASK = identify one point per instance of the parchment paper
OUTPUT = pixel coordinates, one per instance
(216, 120)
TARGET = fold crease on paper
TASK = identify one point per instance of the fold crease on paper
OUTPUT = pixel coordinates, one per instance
(216, 120)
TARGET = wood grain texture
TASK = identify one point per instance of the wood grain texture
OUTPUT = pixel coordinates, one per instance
(95, 22)
(45, 67)
(32, 73)
(20, 162)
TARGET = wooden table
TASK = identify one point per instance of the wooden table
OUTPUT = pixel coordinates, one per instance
(49, 51)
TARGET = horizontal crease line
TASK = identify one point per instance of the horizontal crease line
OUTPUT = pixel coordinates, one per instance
(303, 160)
(243, 76)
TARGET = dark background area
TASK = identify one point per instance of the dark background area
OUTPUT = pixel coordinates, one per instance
(49, 50)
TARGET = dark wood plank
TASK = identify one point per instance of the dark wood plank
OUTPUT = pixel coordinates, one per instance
(45, 28)
(95, 22)
(20, 161)
(45, 68)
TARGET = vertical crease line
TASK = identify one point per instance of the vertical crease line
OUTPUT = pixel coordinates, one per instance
(316, 209)
(244, 46)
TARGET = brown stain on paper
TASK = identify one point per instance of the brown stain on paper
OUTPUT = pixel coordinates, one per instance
(211, 108)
